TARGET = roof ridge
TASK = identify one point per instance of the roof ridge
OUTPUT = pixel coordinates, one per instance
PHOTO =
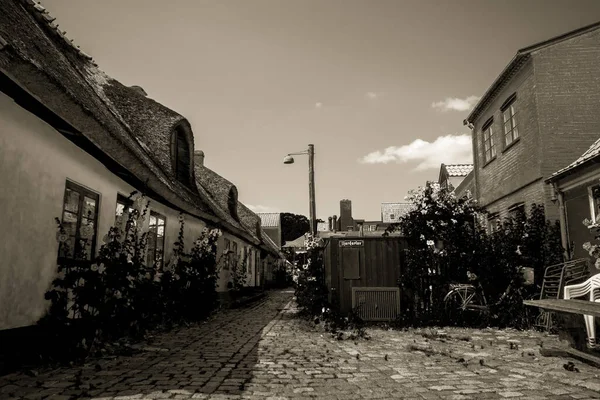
(560, 38)
(49, 21)
(516, 62)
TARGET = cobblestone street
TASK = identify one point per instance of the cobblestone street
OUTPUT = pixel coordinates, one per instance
(263, 352)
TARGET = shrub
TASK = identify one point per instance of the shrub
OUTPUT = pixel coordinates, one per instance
(447, 244)
(118, 294)
(311, 291)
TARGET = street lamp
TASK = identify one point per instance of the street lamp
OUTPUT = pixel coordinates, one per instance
(311, 183)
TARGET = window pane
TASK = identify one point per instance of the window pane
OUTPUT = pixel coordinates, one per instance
(158, 258)
(69, 222)
(160, 230)
(72, 201)
(152, 220)
(151, 242)
(89, 207)
(150, 258)
(84, 249)
(120, 209)
(86, 230)
(515, 132)
(66, 248)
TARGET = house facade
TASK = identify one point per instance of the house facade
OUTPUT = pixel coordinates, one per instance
(392, 212)
(74, 144)
(535, 118)
(576, 192)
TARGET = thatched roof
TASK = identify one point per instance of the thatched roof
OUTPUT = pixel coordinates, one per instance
(132, 130)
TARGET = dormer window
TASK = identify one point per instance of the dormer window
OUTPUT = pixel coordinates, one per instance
(182, 159)
(232, 201)
(258, 234)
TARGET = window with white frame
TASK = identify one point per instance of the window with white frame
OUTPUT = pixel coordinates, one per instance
(509, 119)
(79, 219)
(156, 240)
(123, 203)
(494, 223)
(235, 256)
(517, 212)
(489, 147)
(594, 195)
(227, 247)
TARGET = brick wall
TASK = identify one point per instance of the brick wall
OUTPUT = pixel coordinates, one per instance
(558, 92)
(519, 164)
(567, 79)
(529, 194)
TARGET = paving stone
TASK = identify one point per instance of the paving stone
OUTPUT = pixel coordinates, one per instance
(259, 353)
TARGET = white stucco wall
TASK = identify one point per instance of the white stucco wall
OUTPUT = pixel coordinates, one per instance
(35, 162)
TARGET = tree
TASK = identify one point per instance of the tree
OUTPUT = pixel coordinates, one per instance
(293, 226)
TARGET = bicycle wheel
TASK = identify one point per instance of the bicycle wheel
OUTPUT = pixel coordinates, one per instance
(464, 305)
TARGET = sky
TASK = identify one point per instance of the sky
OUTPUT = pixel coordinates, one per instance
(380, 87)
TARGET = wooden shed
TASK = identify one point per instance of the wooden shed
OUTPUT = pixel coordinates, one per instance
(362, 273)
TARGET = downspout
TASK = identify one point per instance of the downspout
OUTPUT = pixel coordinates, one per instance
(562, 214)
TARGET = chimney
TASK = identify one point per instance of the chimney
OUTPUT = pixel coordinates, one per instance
(330, 222)
(360, 230)
(346, 215)
(199, 157)
(334, 223)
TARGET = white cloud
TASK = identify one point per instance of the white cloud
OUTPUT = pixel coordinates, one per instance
(455, 104)
(445, 149)
(261, 209)
(371, 95)
(318, 105)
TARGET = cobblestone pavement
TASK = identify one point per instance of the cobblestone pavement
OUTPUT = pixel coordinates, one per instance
(264, 352)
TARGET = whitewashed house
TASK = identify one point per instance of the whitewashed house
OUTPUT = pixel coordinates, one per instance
(74, 143)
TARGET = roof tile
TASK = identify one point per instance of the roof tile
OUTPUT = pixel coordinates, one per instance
(270, 220)
(458, 169)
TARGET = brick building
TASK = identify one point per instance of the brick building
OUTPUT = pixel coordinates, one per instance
(539, 115)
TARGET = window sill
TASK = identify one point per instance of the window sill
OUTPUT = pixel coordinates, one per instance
(511, 144)
(488, 162)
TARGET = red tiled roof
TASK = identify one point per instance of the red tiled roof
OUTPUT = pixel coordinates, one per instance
(458, 169)
(270, 220)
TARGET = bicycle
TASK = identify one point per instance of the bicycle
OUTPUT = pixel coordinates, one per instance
(466, 299)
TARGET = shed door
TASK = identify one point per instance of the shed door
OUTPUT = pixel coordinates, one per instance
(350, 261)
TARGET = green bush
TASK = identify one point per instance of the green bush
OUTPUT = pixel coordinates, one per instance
(118, 294)
(448, 244)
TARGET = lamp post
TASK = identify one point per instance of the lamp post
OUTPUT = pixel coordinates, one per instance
(311, 183)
